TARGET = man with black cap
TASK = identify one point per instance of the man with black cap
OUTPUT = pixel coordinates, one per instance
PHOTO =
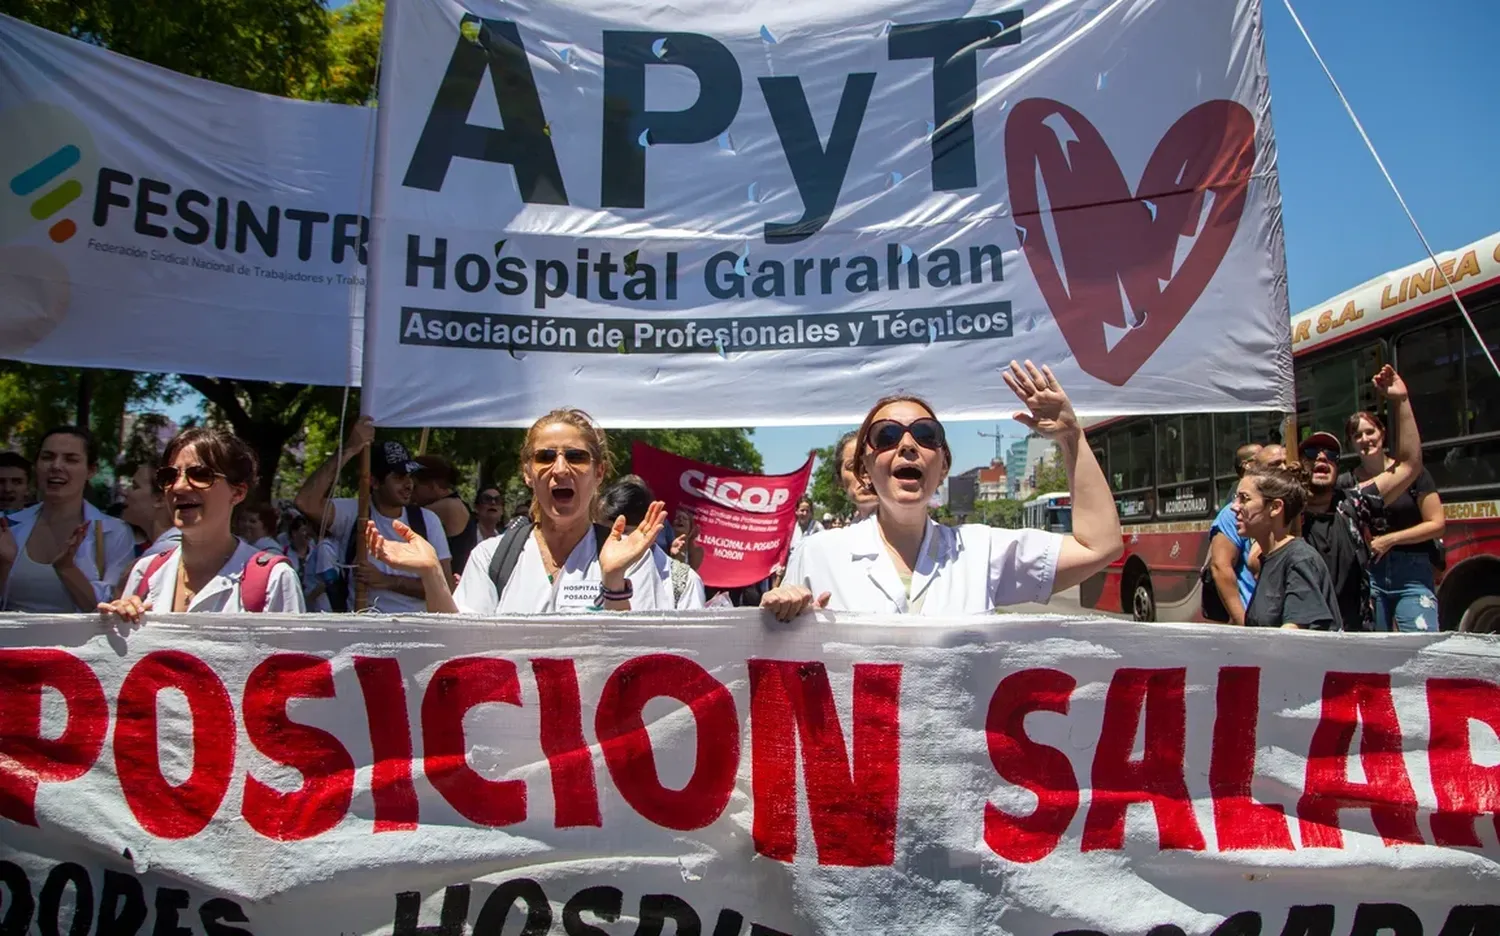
(1339, 523)
(391, 591)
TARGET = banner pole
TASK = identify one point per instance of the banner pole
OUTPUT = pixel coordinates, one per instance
(371, 309)
(361, 590)
(422, 442)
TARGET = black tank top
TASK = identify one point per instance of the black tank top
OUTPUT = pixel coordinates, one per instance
(463, 542)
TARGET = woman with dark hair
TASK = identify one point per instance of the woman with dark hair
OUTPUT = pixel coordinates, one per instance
(559, 559)
(1294, 589)
(62, 555)
(205, 473)
(900, 561)
(1401, 577)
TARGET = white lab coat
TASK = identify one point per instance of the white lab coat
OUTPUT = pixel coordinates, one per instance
(222, 593)
(971, 569)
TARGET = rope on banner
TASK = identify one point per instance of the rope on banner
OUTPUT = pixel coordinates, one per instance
(1349, 109)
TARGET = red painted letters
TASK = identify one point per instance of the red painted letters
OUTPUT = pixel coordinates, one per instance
(1239, 821)
(1042, 769)
(457, 686)
(575, 797)
(1158, 777)
(28, 759)
(390, 743)
(627, 747)
(851, 800)
(326, 767)
(1465, 791)
(1350, 700)
(162, 809)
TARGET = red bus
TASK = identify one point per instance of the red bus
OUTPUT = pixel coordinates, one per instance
(1171, 474)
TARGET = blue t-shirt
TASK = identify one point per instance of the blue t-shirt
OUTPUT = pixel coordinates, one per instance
(1224, 525)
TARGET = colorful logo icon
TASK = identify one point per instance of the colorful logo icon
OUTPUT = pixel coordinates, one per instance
(48, 163)
(49, 203)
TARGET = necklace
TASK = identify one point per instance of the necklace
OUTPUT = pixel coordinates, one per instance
(183, 595)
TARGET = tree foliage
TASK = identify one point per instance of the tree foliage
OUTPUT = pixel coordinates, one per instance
(827, 487)
(1051, 477)
(272, 46)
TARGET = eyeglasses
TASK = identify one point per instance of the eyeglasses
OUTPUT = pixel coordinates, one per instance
(487, 500)
(886, 434)
(547, 457)
(1312, 452)
(199, 477)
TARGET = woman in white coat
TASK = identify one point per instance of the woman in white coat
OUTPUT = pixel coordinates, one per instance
(62, 555)
(900, 561)
(561, 559)
(204, 474)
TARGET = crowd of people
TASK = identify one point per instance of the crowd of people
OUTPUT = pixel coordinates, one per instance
(1303, 545)
(1299, 545)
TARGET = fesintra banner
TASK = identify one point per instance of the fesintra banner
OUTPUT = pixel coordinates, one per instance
(156, 222)
(783, 210)
(720, 774)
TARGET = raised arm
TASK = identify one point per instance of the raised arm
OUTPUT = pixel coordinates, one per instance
(313, 495)
(1393, 482)
(1096, 540)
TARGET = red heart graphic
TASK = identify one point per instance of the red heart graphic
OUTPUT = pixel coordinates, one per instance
(1108, 235)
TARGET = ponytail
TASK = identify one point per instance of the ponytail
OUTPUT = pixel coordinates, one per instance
(1291, 484)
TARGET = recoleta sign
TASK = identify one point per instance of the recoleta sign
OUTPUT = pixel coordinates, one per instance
(751, 202)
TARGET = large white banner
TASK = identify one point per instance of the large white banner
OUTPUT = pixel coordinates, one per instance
(1028, 775)
(156, 222)
(781, 211)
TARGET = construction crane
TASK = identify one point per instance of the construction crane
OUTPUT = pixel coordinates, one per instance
(999, 442)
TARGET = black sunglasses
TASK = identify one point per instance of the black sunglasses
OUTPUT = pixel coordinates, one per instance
(886, 434)
(199, 477)
(545, 458)
(487, 499)
(1312, 452)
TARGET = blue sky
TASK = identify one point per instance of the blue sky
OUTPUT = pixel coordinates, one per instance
(1421, 78)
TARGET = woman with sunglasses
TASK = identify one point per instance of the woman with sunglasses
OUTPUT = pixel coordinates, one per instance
(204, 474)
(489, 514)
(901, 561)
(566, 561)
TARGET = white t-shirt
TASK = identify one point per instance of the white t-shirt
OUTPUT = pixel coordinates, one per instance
(576, 587)
(971, 569)
(345, 509)
(222, 593)
(113, 538)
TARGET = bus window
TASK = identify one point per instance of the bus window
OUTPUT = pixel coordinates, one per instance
(1481, 386)
(1132, 468)
(1429, 361)
(1331, 389)
(1184, 481)
(1232, 430)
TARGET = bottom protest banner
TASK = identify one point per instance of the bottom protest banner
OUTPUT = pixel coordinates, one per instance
(719, 774)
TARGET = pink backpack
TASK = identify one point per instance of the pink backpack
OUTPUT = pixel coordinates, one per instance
(255, 582)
